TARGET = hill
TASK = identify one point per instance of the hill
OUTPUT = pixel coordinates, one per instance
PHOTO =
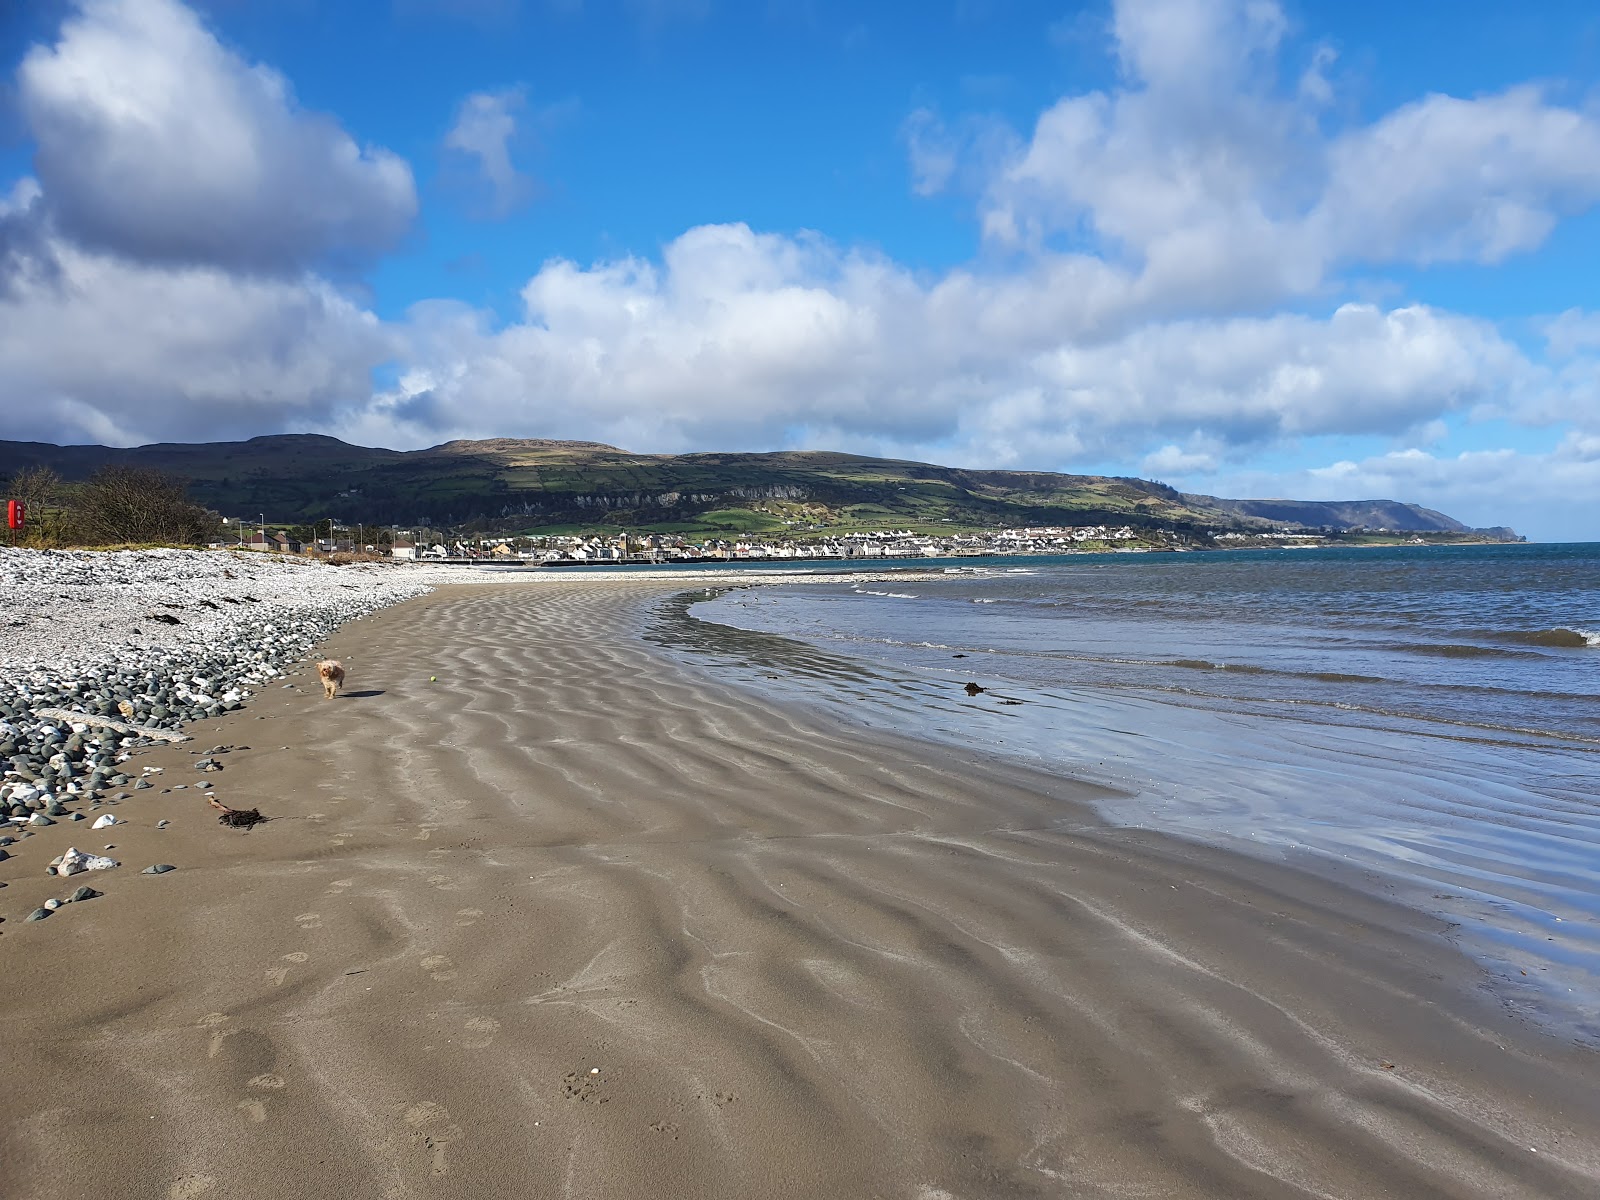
(541, 484)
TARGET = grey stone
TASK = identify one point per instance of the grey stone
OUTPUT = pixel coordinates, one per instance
(84, 893)
(38, 914)
(158, 869)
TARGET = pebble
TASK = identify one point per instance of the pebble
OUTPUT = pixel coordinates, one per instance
(38, 914)
(52, 904)
(158, 869)
(84, 893)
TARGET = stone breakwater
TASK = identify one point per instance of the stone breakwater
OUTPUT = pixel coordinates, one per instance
(150, 639)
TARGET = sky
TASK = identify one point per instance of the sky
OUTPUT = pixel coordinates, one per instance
(1249, 248)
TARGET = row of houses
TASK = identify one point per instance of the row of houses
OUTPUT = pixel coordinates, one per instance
(282, 543)
(651, 547)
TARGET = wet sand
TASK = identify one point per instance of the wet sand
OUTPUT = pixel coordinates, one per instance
(576, 921)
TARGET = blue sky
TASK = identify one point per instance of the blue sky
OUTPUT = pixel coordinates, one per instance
(1245, 246)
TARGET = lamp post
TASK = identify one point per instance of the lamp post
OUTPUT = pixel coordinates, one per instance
(263, 531)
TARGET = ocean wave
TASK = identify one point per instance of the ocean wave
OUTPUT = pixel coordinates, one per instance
(888, 595)
(1201, 664)
(1458, 650)
(1566, 637)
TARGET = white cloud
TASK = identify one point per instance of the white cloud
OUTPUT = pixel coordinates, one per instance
(739, 338)
(1450, 180)
(155, 142)
(1572, 332)
(1218, 189)
(483, 131)
(1172, 459)
(96, 348)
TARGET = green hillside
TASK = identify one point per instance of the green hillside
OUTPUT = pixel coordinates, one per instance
(540, 485)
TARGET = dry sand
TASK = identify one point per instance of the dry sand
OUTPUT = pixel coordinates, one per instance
(574, 921)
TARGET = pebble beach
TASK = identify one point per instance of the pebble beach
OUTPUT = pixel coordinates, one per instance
(103, 654)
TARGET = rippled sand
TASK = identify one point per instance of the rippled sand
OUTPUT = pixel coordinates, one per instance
(573, 921)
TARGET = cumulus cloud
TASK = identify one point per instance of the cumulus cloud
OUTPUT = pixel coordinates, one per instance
(485, 125)
(1218, 187)
(99, 349)
(155, 142)
(743, 338)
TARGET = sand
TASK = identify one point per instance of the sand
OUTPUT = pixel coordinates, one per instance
(576, 921)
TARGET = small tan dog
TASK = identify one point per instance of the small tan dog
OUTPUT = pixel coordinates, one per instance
(331, 672)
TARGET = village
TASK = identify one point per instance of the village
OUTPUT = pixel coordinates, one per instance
(645, 547)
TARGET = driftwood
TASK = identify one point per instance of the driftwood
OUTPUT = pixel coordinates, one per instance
(111, 723)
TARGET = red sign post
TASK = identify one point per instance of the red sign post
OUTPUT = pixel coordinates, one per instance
(16, 514)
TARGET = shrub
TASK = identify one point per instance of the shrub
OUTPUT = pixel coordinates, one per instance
(135, 504)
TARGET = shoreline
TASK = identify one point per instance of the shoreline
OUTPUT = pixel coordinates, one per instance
(570, 920)
(1272, 783)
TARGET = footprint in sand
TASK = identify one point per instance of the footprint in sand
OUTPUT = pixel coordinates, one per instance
(439, 968)
(276, 975)
(468, 916)
(215, 1022)
(443, 882)
(187, 1187)
(433, 1131)
(256, 1110)
(339, 886)
(480, 1032)
(309, 920)
(424, 832)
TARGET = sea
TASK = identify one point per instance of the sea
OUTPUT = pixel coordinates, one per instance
(1423, 721)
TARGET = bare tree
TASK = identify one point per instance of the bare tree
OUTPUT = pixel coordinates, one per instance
(137, 504)
(39, 489)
